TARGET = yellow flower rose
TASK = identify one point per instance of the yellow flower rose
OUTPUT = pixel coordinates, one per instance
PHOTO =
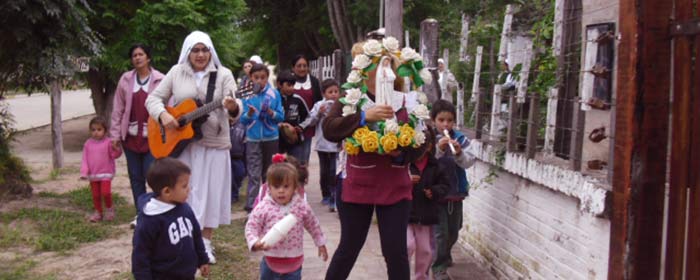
(351, 149)
(360, 133)
(406, 129)
(389, 142)
(370, 142)
(405, 139)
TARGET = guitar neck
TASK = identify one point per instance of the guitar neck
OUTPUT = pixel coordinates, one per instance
(201, 111)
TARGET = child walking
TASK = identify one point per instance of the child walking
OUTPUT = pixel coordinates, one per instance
(302, 177)
(167, 241)
(98, 167)
(284, 259)
(430, 184)
(443, 115)
(296, 111)
(261, 114)
(327, 150)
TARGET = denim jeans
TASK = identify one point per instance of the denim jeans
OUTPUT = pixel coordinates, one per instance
(327, 165)
(238, 172)
(267, 274)
(137, 165)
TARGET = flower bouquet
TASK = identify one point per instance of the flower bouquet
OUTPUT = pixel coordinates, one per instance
(384, 136)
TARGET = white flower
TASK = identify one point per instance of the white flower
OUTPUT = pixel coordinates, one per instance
(361, 62)
(419, 137)
(354, 77)
(353, 96)
(372, 48)
(408, 54)
(426, 76)
(422, 98)
(348, 110)
(390, 44)
(421, 112)
(391, 127)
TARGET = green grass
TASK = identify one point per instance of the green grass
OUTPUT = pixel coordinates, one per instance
(232, 254)
(59, 229)
(18, 269)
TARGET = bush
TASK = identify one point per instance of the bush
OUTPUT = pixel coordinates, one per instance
(14, 176)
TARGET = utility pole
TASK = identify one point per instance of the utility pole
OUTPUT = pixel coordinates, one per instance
(393, 18)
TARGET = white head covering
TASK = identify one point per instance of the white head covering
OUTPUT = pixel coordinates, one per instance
(440, 60)
(194, 38)
(256, 58)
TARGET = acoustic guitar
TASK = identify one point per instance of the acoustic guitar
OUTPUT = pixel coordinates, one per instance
(189, 114)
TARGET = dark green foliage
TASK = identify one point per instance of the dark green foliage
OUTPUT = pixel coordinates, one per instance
(14, 176)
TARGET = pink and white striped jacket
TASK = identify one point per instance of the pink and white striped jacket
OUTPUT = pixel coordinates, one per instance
(269, 212)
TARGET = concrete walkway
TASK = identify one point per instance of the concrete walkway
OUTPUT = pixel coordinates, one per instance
(370, 264)
(35, 111)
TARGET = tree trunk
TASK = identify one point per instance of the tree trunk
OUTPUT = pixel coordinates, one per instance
(56, 125)
(341, 25)
(393, 19)
(102, 92)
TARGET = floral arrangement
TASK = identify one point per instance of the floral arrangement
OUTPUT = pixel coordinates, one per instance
(385, 136)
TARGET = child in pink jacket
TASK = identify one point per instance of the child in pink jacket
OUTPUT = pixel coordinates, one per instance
(98, 167)
(284, 259)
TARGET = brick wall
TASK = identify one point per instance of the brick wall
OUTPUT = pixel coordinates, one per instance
(523, 230)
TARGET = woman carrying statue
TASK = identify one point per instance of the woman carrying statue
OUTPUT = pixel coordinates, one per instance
(382, 129)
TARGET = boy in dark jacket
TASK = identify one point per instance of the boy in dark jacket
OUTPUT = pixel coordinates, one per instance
(167, 241)
(454, 156)
(430, 184)
(296, 111)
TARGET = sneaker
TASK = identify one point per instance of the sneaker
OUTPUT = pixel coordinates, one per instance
(132, 225)
(109, 214)
(95, 217)
(210, 250)
(332, 207)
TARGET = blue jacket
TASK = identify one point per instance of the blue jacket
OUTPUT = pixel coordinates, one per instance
(459, 187)
(167, 241)
(261, 126)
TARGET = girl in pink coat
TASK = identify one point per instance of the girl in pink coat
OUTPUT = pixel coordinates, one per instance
(98, 167)
(283, 259)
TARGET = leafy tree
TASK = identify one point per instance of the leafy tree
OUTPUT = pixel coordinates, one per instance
(39, 40)
(162, 25)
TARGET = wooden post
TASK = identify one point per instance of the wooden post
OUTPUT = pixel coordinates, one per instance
(641, 139)
(682, 149)
(558, 26)
(446, 57)
(533, 125)
(429, 49)
(476, 92)
(577, 126)
(393, 19)
(550, 130)
(495, 114)
(338, 66)
(507, 22)
(460, 105)
(479, 109)
(464, 39)
(56, 124)
(513, 125)
(525, 73)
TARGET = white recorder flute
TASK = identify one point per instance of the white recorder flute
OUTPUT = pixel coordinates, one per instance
(447, 134)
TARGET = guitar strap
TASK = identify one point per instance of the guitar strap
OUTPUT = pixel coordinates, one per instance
(211, 86)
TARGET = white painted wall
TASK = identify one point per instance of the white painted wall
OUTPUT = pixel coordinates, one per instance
(523, 230)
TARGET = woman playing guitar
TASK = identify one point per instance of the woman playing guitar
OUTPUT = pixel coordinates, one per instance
(198, 72)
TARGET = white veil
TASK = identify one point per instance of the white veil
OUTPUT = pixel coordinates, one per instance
(194, 38)
(384, 85)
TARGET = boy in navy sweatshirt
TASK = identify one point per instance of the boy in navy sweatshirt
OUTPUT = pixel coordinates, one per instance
(167, 240)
